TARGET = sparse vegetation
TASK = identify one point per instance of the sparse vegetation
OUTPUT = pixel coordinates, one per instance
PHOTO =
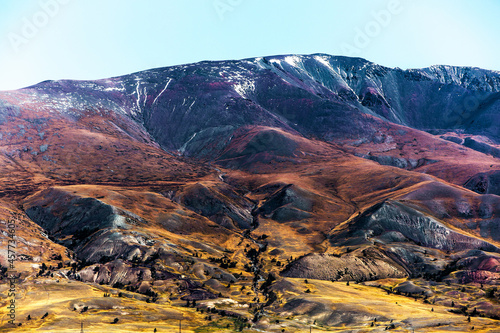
(261, 229)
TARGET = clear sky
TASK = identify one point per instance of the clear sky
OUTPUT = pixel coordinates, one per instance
(92, 39)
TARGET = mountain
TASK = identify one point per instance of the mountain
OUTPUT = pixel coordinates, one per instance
(221, 186)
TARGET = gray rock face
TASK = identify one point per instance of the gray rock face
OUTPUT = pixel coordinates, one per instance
(92, 229)
(76, 216)
(287, 214)
(388, 240)
(114, 272)
(453, 139)
(410, 224)
(485, 183)
(399, 162)
(482, 147)
(291, 203)
(408, 287)
(344, 268)
(220, 204)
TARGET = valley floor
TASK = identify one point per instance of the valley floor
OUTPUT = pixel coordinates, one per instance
(359, 307)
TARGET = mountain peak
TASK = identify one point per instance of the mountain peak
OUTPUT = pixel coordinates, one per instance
(256, 187)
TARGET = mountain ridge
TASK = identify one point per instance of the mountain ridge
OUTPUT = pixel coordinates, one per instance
(257, 187)
(140, 92)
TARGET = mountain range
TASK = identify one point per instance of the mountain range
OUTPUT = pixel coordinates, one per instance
(276, 193)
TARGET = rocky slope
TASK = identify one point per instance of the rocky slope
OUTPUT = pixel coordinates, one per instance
(225, 182)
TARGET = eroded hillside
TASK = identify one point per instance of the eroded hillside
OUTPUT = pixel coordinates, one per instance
(277, 193)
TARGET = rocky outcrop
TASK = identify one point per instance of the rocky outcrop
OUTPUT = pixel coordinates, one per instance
(72, 215)
(482, 147)
(485, 183)
(399, 162)
(408, 287)
(453, 139)
(91, 228)
(291, 203)
(391, 221)
(115, 272)
(344, 268)
(220, 204)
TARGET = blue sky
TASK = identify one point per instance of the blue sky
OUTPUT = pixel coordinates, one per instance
(92, 39)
